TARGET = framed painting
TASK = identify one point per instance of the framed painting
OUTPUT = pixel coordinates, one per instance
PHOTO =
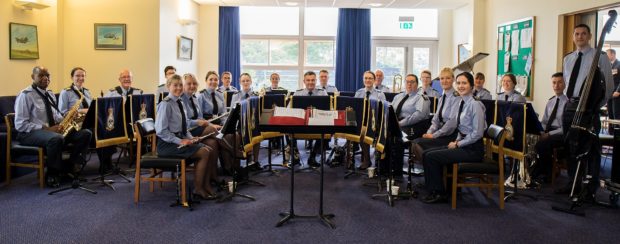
(111, 36)
(23, 41)
(464, 52)
(185, 48)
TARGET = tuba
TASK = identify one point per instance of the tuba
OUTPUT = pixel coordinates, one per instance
(397, 82)
(73, 119)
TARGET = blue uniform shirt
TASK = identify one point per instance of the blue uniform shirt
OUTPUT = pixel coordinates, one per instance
(483, 94)
(556, 124)
(68, 98)
(120, 92)
(189, 110)
(472, 123)
(448, 114)
(240, 96)
(306, 92)
(169, 125)
(586, 61)
(415, 109)
(30, 113)
(223, 89)
(429, 91)
(513, 96)
(328, 88)
(206, 99)
(382, 88)
(374, 93)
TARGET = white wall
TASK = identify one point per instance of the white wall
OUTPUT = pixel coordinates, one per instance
(462, 26)
(445, 48)
(208, 41)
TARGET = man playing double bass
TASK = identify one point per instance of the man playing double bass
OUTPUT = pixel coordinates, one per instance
(576, 68)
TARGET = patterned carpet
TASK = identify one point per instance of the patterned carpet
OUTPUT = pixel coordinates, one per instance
(29, 215)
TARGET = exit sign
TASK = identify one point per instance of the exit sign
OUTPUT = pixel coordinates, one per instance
(406, 25)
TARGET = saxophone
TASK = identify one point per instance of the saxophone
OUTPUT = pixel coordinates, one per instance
(73, 119)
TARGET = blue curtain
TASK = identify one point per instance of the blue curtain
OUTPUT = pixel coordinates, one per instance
(230, 43)
(353, 48)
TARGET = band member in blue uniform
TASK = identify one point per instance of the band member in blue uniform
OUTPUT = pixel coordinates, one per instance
(226, 83)
(323, 79)
(411, 107)
(172, 132)
(468, 146)
(274, 78)
(125, 78)
(509, 82)
(245, 80)
(427, 82)
(613, 105)
(212, 100)
(312, 90)
(70, 95)
(162, 88)
(37, 120)
(479, 91)
(379, 81)
(368, 91)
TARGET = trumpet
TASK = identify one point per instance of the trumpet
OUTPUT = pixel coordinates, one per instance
(397, 82)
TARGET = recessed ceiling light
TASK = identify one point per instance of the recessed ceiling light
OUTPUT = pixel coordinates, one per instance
(375, 4)
(291, 3)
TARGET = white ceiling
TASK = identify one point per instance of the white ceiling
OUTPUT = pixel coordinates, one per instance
(433, 4)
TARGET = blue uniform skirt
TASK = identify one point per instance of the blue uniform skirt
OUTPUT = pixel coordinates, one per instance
(171, 150)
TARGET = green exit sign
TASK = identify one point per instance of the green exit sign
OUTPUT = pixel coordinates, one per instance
(406, 25)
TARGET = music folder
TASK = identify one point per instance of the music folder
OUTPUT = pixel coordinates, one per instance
(297, 116)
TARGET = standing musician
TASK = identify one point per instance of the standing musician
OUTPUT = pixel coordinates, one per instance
(613, 105)
(245, 80)
(168, 71)
(172, 131)
(275, 80)
(125, 78)
(312, 90)
(226, 80)
(70, 95)
(443, 124)
(211, 99)
(37, 120)
(468, 146)
(323, 79)
(411, 107)
(427, 88)
(379, 81)
(552, 135)
(509, 81)
(479, 90)
(368, 91)
(576, 68)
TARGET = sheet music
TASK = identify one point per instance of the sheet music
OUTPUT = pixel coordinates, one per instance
(322, 117)
(289, 112)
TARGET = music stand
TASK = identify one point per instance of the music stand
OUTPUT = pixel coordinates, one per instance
(269, 101)
(230, 127)
(350, 127)
(304, 102)
(228, 98)
(389, 96)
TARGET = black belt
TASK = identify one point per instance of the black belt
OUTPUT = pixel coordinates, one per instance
(179, 135)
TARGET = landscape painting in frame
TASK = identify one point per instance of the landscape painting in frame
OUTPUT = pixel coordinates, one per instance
(24, 43)
(110, 36)
(185, 48)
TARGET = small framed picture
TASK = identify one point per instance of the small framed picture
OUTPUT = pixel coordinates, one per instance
(185, 48)
(23, 41)
(464, 52)
(111, 36)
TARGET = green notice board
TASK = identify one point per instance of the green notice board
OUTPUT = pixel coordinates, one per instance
(515, 54)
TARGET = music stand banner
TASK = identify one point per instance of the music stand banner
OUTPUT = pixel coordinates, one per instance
(110, 127)
(383, 131)
(250, 133)
(512, 115)
(374, 121)
(140, 107)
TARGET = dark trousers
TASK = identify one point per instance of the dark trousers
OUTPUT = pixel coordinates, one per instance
(436, 159)
(53, 144)
(613, 110)
(544, 149)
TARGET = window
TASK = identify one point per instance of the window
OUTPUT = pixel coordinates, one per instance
(269, 45)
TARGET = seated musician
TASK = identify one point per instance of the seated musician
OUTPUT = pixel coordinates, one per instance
(172, 131)
(226, 80)
(479, 91)
(323, 79)
(245, 80)
(367, 92)
(552, 136)
(274, 78)
(443, 124)
(125, 78)
(378, 84)
(427, 82)
(211, 99)
(312, 90)
(468, 146)
(412, 108)
(70, 95)
(509, 81)
(37, 121)
(162, 88)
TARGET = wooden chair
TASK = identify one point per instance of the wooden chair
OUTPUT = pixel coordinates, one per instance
(148, 159)
(22, 156)
(485, 169)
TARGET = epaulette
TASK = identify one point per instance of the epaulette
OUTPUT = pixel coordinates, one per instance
(166, 99)
(136, 88)
(203, 90)
(85, 89)
(567, 54)
(215, 90)
(319, 89)
(67, 89)
(552, 98)
(484, 89)
(301, 89)
(425, 97)
(476, 98)
(456, 94)
(501, 93)
(161, 85)
(112, 89)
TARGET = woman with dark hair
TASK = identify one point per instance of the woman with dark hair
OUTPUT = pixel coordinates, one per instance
(509, 81)
(70, 95)
(468, 146)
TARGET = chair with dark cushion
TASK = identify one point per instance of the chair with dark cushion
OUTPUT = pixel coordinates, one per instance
(22, 156)
(146, 136)
(494, 145)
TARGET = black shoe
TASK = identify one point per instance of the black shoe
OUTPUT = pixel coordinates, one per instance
(254, 167)
(52, 181)
(435, 198)
(313, 163)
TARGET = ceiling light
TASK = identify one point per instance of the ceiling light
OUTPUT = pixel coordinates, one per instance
(375, 4)
(291, 3)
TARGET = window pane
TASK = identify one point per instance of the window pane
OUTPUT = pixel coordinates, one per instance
(387, 22)
(319, 53)
(421, 57)
(284, 52)
(392, 61)
(289, 79)
(269, 20)
(321, 21)
(254, 52)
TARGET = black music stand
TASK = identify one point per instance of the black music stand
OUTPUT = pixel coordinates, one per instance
(350, 127)
(304, 102)
(269, 101)
(230, 127)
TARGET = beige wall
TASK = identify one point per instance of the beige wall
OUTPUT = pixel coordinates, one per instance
(462, 25)
(208, 41)
(170, 29)
(16, 75)
(547, 57)
(445, 47)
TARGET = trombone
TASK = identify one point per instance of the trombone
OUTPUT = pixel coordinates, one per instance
(397, 83)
